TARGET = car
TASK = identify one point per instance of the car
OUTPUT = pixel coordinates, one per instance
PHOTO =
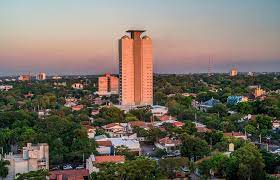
(66, 167)
(80, 167)
(277, 151)
(54, 168)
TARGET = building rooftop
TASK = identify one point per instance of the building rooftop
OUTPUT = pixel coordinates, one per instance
(104, 159)
(135, 30)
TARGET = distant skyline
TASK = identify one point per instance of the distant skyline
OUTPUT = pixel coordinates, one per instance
(81, 37)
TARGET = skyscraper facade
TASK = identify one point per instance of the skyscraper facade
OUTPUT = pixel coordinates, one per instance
(136, 69)
(108, 84)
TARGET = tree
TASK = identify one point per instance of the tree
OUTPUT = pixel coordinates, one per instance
(193, 147)
(123, 150)
(271, 161)
(169, 166)
(251, 164)
(143, 114)
(4, 170)
(138, 169)
(36, 175)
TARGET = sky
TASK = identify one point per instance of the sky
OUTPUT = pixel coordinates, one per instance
(80, 37)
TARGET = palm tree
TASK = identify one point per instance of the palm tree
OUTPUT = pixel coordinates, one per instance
(4, 170)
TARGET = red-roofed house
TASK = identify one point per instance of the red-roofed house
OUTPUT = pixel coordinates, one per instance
(167, 118)
(105, 147)
(116, 129)
(168, 144)
(93, 161)
(77, 107)
(178, 124)
(202, 129)
(75, 174)
(236, 135)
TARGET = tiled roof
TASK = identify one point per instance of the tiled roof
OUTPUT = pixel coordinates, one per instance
(166, 118)
(167, 140)
(178, 124)
(233, 134)
(69, 174)
(106, 143)
(137, 123)
(114, 159)
(203, 129)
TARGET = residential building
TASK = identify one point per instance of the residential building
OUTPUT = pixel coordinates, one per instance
(258, 92)
(236, 135)
(105, 147)
(233, 72)
(93, 161)
(6, 87)
(158, 110)
(24, 77)
(131, 142)
(108, 85)
(41, 76)
(233, 100)
(116, 129)
(276, 124)
(204, 106)
(77, 107)
(91, 131)
(78, 86)
(136, 69)
(71, 174)
(33, 158)
(168, 144)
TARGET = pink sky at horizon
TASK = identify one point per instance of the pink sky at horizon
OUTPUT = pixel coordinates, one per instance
(70, 36)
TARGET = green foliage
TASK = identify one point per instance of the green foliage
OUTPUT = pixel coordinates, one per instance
(4, 170)
(36, 175)
(169, 166)
(194, 147)
(138, 169)
(143, 114)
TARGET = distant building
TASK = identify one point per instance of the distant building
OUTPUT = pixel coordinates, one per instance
(233, 100)
(258, 92)
(93, 162)
(71, 174)
(168, 144)
(233, 72)
(33, 158)
(236, 135)
(108, 85)
(159, 110)
(24, 77)
(6, 87)
(78, 86)
(41, 76)
(77, 107)
(116, 129)
(56, 77)
(136, 69)
(204, 106)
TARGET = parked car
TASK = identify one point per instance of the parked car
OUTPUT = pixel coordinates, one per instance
(66, 167)
(80, 167)
(277, 151)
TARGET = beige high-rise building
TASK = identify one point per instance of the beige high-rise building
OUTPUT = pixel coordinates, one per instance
(41, 76)
(233, 72)
(33, 158)
(108, 84)
(136, 69)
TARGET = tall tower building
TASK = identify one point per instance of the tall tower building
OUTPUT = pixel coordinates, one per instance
(233, 72)
(108, 85)
(136, 69)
